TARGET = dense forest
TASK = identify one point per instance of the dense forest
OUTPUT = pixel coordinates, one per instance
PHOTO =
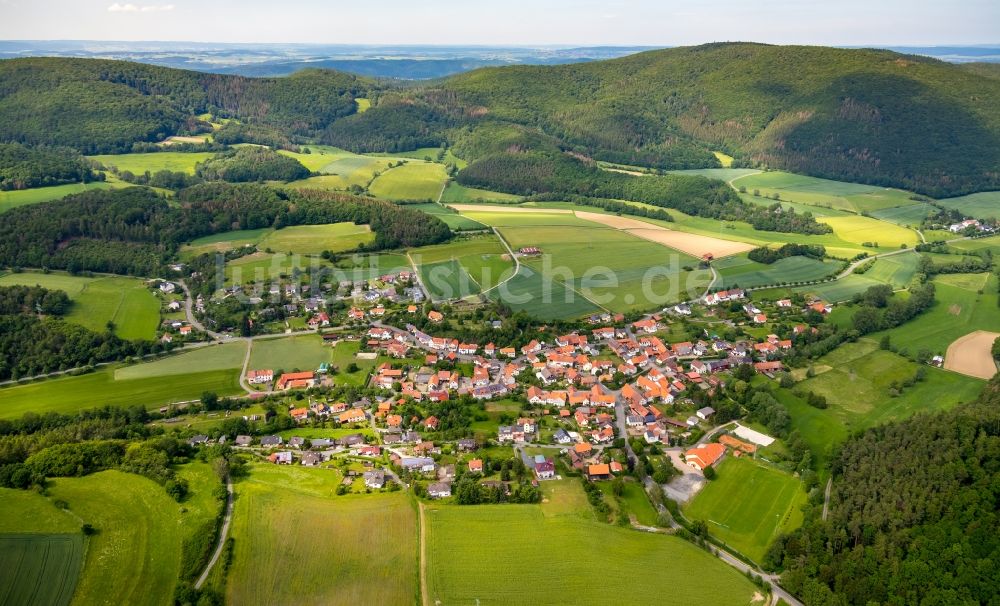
(136, 231)
(32, 343)
(99, 106)
(251, 164)
(769, 255)
(24, 167)
(913, 515)
(529, 173)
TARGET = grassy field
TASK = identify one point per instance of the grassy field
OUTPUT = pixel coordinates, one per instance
(748, 505)
(227, 356)
(459, 193)
(896, 271)
(910, 214)
(992, 243)
(341, 357)
(840, 290)
(557, 552)
(39, 568)
(738, 270)
(298, 543)
(127, 302)
(365, 267)
(156, 161)
(612, 268)
(415, 180)
(288, 353)
(546, 300)
(856, 377)
(452, 219)
(263, 267)
(462, 267)
(72, 394)
(223, 242)
(958, 310)
(23, 197)
(982, 205)
(314, 239)
(824, 192)
(859, 229)
(135, 557)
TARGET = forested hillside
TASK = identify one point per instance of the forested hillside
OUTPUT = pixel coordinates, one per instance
(856, 115)
(913, 515)
(252, 164)
(24, 167)
(99, 106)
(136, 231)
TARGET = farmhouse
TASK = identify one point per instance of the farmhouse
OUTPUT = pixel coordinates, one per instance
(296, 380)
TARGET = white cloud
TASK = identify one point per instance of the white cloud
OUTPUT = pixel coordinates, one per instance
(132, 8)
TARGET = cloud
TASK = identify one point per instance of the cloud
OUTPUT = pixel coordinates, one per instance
(132, 8)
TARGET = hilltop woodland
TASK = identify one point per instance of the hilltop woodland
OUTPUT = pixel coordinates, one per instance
(35, 340)
(251, 164)
(135, 231)
(913, 515)
(24, 167)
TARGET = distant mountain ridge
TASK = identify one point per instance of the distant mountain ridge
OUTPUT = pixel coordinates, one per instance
(858, 115)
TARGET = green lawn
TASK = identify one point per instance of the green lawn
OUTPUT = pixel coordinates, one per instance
(415, 180)
(296, 542)
(748, 505)
(557, 552)
(342, 356)
(22, 197)
(304, 352)
(39, 568)
(154, 161)
(72, 394)
(314, 239)
(127, 302)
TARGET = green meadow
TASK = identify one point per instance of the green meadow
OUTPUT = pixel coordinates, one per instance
(226, 356)
(415, 180)
(352, 549)
(298, 239)
(814, 191)
(459, 193)
(23, 197)
(550, 553)
(155, 161)
(982, 205)
(748, 505)
(303, 352)
(738, 270)
(454, 220)
(544, 299)
(127, 302)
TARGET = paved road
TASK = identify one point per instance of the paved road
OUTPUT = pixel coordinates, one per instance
(223, 535)
(189, 312)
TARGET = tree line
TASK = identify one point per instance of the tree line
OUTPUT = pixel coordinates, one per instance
(25, 166)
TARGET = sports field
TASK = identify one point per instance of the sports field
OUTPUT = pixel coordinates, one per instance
(296, 542)
(982, 205)
(415, 180)
(155, 161)
(557, 552)
(39, 568)
(72, 394)
(22, 197)
(741, 271)
(127, 302)
(305, 352)
(748, 505)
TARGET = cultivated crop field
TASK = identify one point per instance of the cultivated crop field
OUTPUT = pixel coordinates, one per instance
(896, 271)
(748, 505)
(547, 300)
(982, 205)
(463, 267)
(183, 162)
(99, 388)
(39, 568)
(532, 546)
(840, 195)
(451, 218)
(354, 549)
(415, 180)
(741, 271)
(23, 197)
(972, 355)
(127, 302)
(858, 229)
(304, 352)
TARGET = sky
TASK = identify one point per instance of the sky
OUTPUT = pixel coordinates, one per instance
(508, 22)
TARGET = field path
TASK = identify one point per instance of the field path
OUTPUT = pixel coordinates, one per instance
(223, 535)
(246, 364)
(970, 355)
(425, 599)
(517, 263)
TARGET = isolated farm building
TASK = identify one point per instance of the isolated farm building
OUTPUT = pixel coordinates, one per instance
(375, 479)
(704, 456)
(257, 377)
(529, 250)
(439, 490)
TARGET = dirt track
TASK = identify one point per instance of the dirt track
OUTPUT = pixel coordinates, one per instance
(970, 355)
